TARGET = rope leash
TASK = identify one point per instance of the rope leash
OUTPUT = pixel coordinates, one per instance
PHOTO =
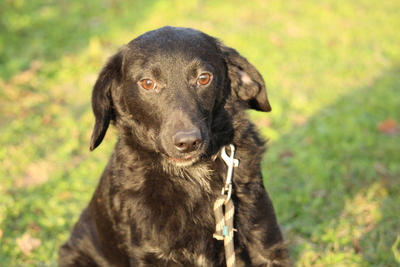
(224, 221)
(224, 227)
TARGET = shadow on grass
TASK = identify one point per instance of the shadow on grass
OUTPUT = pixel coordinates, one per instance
(335, 180)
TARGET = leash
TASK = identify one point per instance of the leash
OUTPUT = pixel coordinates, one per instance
(224, 221)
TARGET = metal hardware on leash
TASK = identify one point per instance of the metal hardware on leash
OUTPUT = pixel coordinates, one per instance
(231, 162)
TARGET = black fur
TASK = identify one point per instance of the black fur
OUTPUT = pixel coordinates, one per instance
(154, 203)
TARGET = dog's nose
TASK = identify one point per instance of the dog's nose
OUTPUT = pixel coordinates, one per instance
(187, 141)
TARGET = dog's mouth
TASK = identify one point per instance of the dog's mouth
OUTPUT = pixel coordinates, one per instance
(183, 161)
(185, 158)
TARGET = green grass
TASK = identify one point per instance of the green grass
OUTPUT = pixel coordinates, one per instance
(333, 71)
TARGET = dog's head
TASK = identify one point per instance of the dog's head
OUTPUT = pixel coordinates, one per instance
(164, 88)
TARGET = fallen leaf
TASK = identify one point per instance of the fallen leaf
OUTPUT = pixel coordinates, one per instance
(299, 119)
(36, 173)
(319, 193)
(33, 227)
(388, 126)
(27, 243)
(286, 154)
(381, 169)
(357, 247)
(27, 75)
(264, 122)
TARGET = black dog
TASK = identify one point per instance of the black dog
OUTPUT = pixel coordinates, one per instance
(176, 97)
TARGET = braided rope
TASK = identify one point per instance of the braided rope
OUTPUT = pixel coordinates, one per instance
(219, 217)
(224, 227)
(228, 240)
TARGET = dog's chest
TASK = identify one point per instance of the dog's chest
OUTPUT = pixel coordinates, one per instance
(174, 212)
(171, 215)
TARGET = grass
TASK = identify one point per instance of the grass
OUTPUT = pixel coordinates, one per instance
(333, 70)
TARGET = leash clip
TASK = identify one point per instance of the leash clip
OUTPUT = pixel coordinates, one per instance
(231, 162)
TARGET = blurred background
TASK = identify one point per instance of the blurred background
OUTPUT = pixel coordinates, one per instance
(333, 74)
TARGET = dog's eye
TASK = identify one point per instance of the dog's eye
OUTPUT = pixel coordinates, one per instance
(148, 84)
(204, 79)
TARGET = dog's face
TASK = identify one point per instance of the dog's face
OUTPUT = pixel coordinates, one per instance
(166, 86)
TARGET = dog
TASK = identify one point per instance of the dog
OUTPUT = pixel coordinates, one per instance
(177, 97)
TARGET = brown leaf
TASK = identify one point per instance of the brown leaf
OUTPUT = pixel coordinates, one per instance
(299, 119)
(27, 75)
(34, 227)
(27, 243)
(263, 122)
(36, 173)
(357, 247)
(388, 126)
(286, 154)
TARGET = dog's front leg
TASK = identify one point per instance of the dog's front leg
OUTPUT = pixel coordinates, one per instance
(267, 247)
(267, 250)
(264, 240)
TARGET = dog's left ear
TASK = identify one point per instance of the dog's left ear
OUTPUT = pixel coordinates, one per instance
(246, 82)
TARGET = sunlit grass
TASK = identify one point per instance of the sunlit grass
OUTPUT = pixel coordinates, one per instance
(332, 71)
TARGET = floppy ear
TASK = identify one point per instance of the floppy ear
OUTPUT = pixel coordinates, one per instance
(101, 98)
(246, 82)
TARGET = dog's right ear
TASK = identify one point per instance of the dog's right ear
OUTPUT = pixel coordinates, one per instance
(102, 105)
